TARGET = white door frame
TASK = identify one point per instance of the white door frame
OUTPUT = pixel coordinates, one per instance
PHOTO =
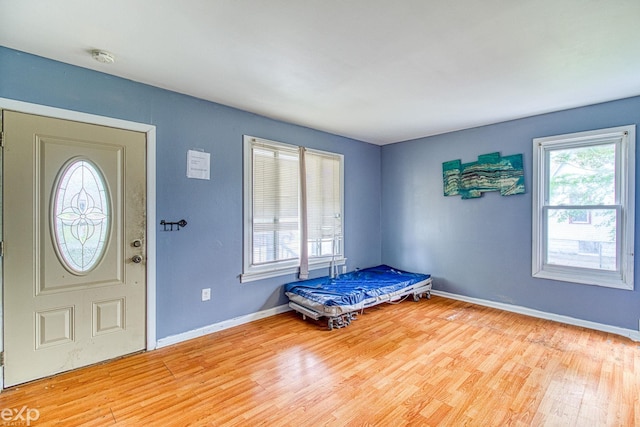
(150, 130)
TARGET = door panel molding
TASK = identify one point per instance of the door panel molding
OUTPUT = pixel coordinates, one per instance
(150, 131)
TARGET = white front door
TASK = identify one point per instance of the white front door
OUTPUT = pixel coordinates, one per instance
(74, 225)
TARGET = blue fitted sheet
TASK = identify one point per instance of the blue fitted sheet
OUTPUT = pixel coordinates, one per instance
(356, 286)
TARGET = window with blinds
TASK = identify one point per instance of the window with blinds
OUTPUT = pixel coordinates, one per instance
(274, 221)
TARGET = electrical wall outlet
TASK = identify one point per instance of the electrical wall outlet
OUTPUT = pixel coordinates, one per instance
(344, 269)
(206, 294)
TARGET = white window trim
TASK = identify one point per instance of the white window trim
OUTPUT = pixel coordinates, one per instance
(252, 273)
(622, 279)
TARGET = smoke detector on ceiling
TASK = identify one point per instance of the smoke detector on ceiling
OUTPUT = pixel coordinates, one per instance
(103, 56)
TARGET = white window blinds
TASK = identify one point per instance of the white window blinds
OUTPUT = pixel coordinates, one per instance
(276, 222)
(324, 219)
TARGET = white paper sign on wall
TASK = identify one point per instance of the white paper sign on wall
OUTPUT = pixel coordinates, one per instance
(198, 164)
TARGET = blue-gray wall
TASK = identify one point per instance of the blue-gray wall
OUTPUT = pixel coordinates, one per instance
(482, 247)
(394, 208)
(208, 252)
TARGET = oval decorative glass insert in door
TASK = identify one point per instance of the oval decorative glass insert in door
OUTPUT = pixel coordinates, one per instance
(80, 216)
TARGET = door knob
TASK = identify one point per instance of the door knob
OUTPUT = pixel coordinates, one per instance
(137, 259)
(136, 243)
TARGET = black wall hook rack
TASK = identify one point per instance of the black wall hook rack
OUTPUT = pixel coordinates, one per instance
(168, 226)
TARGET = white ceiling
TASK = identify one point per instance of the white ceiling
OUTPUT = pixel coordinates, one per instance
(379, 71)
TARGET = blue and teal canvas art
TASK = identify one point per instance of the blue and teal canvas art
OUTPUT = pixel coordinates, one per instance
(491, 172)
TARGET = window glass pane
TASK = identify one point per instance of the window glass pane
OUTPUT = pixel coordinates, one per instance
(323, 205)
(582, 176)
(276, 231)
(582, 244)
(81, 216)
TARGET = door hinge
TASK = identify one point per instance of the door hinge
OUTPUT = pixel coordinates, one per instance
(1, 139)
(1, 248)
(1, 358)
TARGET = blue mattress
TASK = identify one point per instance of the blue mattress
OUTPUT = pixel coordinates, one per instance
(355, 287)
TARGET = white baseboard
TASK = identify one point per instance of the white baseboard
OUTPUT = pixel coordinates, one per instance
(226, 324)
(629, 333)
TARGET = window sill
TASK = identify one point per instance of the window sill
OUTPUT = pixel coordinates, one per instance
(253, 276)
(580, 276)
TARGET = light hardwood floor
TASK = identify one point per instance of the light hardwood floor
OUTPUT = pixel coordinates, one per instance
(434, 362)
